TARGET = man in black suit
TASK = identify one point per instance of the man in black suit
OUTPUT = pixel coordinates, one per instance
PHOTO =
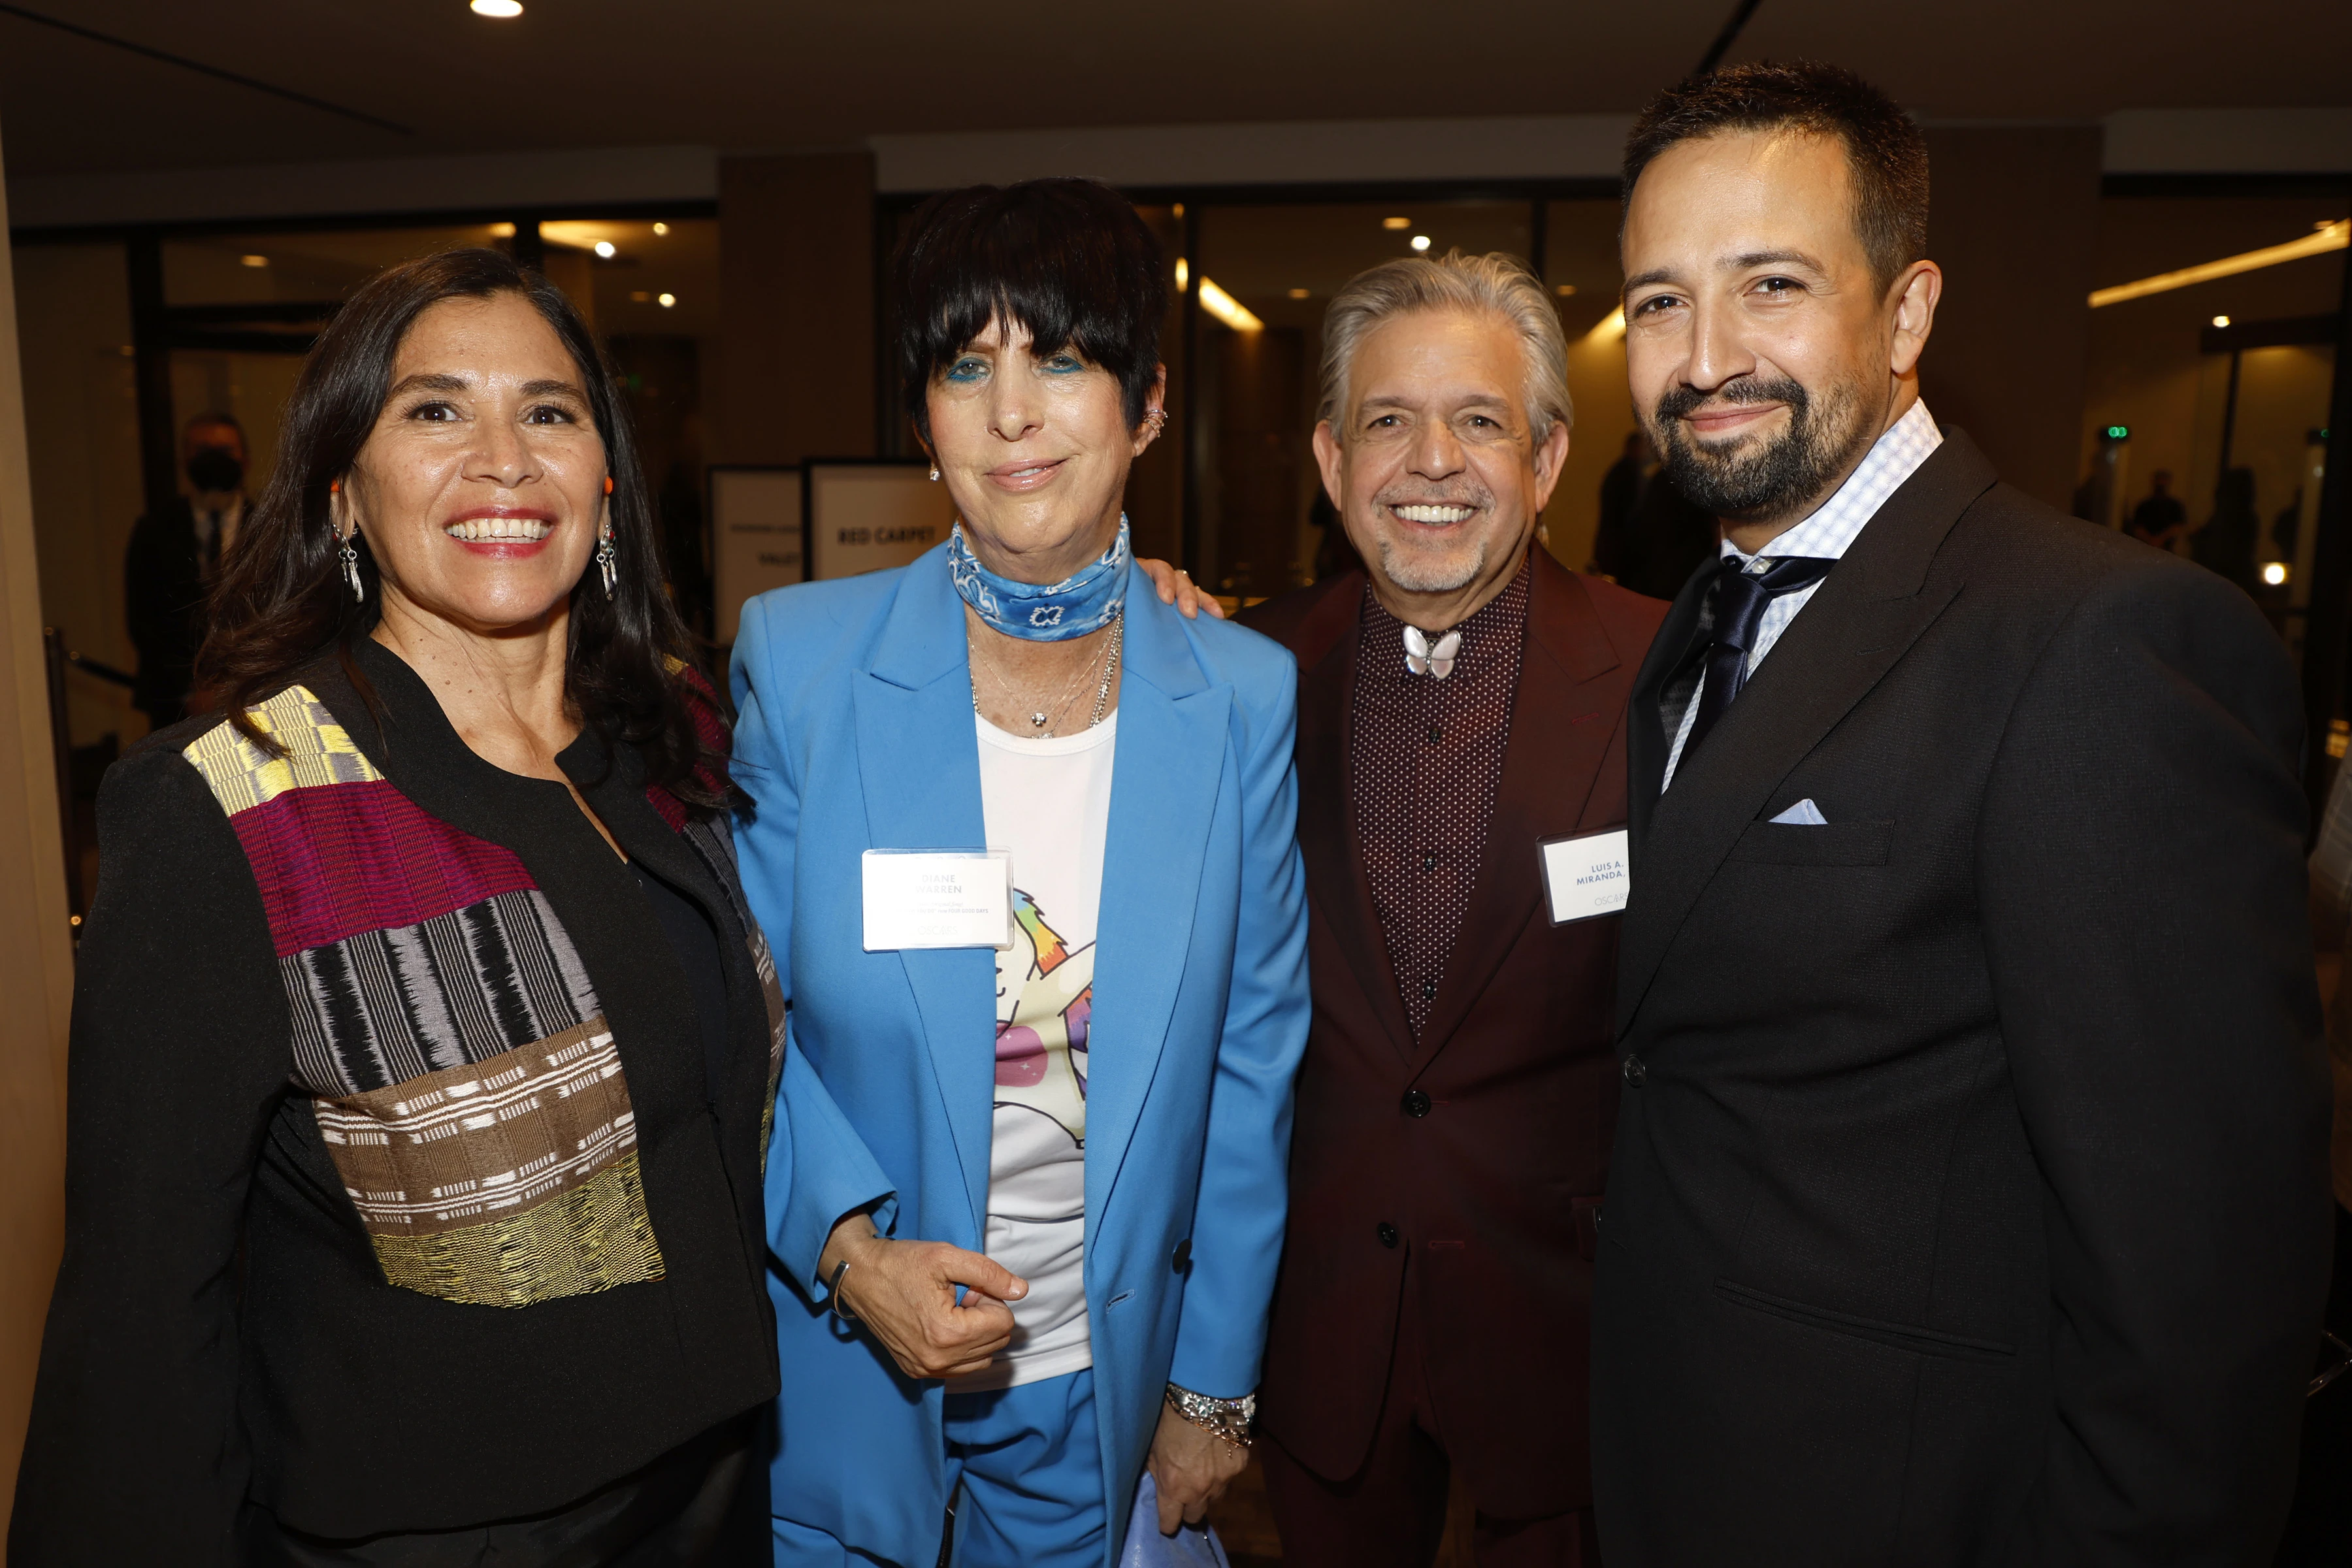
(170, 563)
(1970, 1203)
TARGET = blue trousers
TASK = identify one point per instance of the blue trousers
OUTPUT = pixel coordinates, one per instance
(1023, 1466)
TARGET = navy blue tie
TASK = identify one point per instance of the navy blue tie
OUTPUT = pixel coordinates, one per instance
(1741, 592)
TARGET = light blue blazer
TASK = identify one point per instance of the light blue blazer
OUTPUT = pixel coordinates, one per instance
(855, 732)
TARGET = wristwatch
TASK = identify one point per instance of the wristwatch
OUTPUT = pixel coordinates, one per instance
(1229, 1419)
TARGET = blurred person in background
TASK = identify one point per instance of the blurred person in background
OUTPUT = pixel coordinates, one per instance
(1036, 1258)
(423, 1045)
(1621, 490)
(2227, 542)
(1461, 703)
(1969, 1203)
(2159, 517)
(173, 559)
(2319, 1526)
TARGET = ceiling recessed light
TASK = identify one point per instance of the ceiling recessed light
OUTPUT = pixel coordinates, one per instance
(666, 300)
(661, 228)
(1421, 242)
(501, 8)
(1565, 289)
(1395, 225)
(2220, 320)
(605, 248)
(255, 260)
(1300, 293)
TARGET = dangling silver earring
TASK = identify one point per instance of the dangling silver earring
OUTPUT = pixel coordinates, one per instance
(605, 560)
(935, 473)
(352, 568)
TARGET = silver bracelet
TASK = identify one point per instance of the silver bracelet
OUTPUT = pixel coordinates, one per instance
(1229, 1419)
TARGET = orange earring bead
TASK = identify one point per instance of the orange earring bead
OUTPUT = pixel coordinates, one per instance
(608, 484)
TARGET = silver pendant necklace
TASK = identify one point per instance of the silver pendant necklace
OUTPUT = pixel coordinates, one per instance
(1045, 724)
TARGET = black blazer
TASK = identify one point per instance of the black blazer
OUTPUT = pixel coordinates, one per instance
(1969, 1201)
(164, 601)
(227, 1325)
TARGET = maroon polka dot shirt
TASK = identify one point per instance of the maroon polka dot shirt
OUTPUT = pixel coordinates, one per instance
(1427, 757)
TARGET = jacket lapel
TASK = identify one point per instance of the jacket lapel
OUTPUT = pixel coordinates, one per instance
(1862, 620)
(1647, 742)
(1173, 749)
(1549, 767)
(1326, 798)
(913, 701)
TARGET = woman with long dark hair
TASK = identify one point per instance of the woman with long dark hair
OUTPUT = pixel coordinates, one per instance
(423, 1045)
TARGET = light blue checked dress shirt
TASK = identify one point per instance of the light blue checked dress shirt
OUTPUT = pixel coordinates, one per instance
(1829, 533)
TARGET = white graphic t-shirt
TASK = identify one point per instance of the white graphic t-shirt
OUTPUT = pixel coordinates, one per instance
(1047, 804)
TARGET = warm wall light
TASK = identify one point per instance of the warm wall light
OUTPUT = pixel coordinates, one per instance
(501, 231)
(1611, 328)
(1300, 293)
(1184, 275)
(502, 8)
(661, 228)
(2327, 236)
(2220, 320)
(665, 301)
(641, 296)
(2275, 572)
(1419, 243)
(1565, 289)
(1227, 308)
(604, 249)
(255, 260)
(1395, 225)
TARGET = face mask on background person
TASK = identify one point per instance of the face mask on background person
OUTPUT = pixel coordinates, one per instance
(215, 470)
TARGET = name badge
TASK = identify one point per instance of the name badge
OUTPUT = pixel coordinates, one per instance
(937, 898)
(1585, 877)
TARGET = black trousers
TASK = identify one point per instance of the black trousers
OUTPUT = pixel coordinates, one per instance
(2319, 1528)
(704, 1504)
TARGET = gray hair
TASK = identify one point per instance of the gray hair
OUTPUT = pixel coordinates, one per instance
(1497, 285)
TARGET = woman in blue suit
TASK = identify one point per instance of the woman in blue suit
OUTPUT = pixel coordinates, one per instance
(1014, 1272)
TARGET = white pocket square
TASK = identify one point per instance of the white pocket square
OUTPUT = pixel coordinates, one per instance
(1804, 814)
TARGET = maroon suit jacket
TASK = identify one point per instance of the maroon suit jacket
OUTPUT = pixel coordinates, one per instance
(1492, 1190)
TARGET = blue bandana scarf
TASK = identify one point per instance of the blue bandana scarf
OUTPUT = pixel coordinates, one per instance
(1087, 601)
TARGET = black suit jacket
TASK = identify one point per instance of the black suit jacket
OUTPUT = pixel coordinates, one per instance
(164, 598)
(1969, 1202)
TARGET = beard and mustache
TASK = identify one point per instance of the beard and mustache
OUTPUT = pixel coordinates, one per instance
(1420, 564)
(1766, 480)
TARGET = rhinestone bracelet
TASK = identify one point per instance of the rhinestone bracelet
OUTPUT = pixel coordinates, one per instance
(1228, 1419)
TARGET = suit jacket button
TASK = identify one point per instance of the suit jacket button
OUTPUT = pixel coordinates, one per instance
(1183, 1257)
(1634, 1072)
(1416, 1103)
(1387, 1233)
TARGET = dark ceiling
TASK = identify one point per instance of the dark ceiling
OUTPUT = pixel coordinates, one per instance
(752, 74)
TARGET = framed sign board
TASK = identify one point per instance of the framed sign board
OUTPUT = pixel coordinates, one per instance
(756, 522)
(866, 515)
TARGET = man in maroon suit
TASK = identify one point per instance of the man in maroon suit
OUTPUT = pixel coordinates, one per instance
(1460, 706)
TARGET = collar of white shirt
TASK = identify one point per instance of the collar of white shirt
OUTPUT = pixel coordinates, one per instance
(1893, 457)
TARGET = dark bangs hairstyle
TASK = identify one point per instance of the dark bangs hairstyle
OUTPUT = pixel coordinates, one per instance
(1883, 150)
(281, 600)
(1068, 259)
